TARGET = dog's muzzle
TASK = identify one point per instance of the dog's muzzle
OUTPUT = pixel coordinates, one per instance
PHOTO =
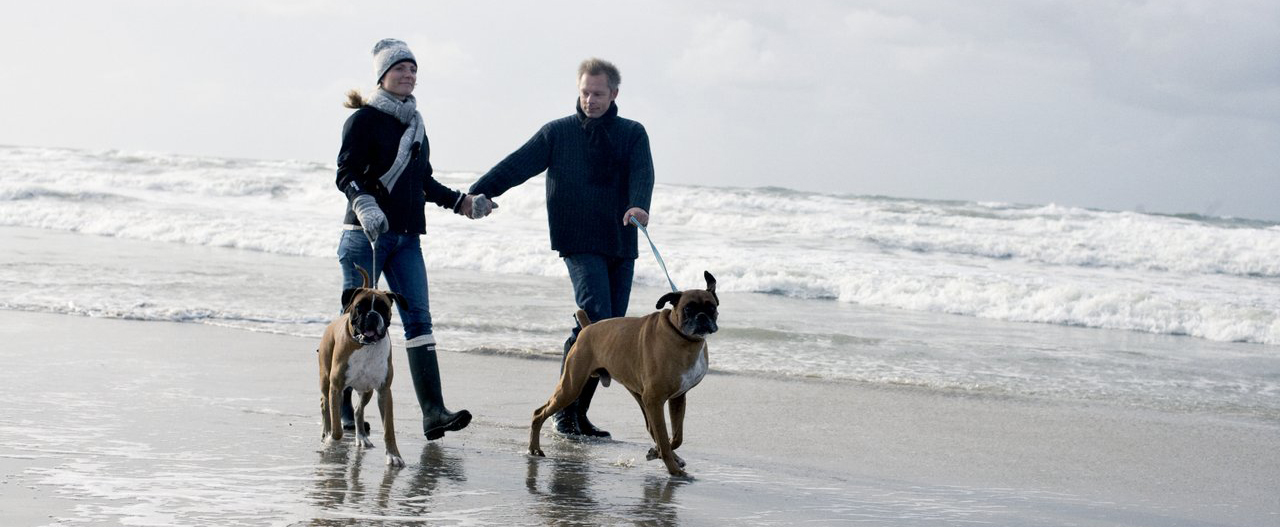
(369, 328)
(700, 325)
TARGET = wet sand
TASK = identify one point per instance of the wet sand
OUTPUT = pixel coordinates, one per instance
(153, 423)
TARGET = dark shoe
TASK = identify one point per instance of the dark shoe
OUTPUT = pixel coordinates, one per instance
(566, 420)
(348, 412)
(583, 404)
(434, 426)
(572, 420)
(436, 419)
(589, 429)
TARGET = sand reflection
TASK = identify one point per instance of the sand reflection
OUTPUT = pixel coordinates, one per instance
(340, 483)
(436, 466)
(575, 492)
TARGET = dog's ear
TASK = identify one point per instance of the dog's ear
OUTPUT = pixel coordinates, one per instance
(674, 298)
(399, 299)
(347, 295)
(711, 285)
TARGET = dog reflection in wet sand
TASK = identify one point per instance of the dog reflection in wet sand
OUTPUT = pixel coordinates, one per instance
(658, 358)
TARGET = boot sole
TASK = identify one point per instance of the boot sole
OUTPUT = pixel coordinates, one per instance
(458, 423)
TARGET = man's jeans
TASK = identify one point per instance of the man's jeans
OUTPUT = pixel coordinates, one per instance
(400, 261)
(601, 285)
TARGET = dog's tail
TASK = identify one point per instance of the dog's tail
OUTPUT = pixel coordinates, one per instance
(364, 275)
(583, 320)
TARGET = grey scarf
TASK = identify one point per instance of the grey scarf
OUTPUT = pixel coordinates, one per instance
(406, 112)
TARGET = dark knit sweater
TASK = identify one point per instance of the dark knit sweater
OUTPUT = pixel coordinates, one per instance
(583, 216)
(370, 140)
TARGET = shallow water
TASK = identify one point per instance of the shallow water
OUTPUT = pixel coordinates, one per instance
(762, 334)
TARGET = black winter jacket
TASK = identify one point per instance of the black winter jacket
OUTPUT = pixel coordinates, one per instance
(583, 215)
(370, 140)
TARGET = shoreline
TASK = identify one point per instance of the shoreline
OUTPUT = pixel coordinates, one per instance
(92, 384)
(1242, 414)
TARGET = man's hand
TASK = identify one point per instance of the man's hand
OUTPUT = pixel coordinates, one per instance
(481, 206)
(475, 206)
(639, 214)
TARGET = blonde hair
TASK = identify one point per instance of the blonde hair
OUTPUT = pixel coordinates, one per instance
(595, 66)
(355, 100)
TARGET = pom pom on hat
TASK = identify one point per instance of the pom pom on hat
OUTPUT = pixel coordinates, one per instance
(387, 53)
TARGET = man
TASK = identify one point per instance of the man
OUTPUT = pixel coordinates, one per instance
(599, 177)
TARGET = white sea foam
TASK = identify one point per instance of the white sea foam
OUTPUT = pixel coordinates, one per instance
(1207, 277)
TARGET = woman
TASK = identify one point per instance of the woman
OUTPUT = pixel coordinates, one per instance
(383, 168)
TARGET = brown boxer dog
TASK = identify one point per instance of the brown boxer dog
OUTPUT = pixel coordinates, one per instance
(355, 352)
(658, 358)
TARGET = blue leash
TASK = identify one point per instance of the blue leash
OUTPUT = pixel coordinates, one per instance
(655, 252)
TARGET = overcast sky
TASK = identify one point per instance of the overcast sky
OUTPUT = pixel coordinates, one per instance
(1163, 106)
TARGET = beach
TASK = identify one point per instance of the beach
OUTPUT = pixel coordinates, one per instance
(123, 422)
(880, 360)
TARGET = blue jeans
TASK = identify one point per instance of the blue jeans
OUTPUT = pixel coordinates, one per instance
(601, 285)
(400, 261)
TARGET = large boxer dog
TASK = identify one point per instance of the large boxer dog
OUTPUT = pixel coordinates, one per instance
(356, 352)
(658, 358)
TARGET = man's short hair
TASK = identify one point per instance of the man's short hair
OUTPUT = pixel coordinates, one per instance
(595, 66)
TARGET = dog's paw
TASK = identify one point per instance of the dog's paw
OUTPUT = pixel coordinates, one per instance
(536, 452)
(653, 454)
(365, 442)
(394, 460)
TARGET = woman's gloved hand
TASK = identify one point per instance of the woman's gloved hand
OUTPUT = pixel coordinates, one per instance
(371, 217)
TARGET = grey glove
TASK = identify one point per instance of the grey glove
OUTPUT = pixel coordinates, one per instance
(371, 217)
(480, 207)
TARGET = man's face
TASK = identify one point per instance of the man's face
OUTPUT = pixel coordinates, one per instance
(594, 95)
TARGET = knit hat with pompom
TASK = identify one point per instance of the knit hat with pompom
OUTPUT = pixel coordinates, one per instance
(387, 53)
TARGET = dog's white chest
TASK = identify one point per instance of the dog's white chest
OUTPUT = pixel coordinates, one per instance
(695, 373)
(367, 367)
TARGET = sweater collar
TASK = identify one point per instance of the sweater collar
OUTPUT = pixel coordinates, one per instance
(586, 122)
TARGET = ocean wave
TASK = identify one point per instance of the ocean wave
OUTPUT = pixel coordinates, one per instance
(1048, 234)
(154, 313)
(1071, 303)
(1214, 278)
(27, 192)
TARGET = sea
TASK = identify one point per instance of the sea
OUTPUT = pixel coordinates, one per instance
(1179, 312)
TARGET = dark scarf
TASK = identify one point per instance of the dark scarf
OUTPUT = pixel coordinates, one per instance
(599, 145)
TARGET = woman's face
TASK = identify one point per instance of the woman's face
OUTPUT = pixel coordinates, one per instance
(401, 79)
